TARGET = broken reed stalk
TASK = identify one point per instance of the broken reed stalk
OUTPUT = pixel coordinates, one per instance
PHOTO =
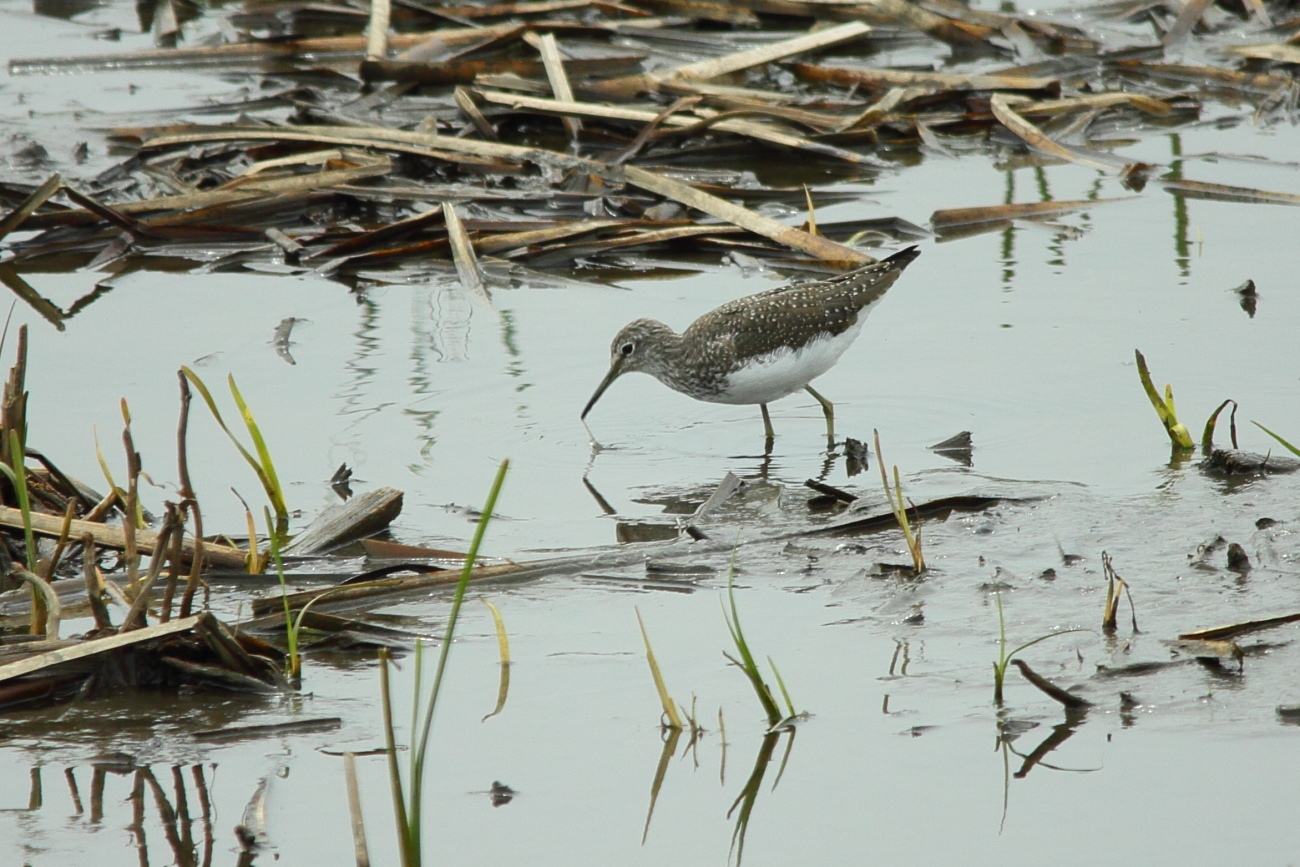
(189, 503)
(360, 849)
(897, 505)
(133, 520)
(407, 808)
(1115, 587)
(135, 617)
(674, 722)
(173, 565)
(95, 589)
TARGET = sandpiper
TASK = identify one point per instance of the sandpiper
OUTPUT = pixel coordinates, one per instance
(761, 347)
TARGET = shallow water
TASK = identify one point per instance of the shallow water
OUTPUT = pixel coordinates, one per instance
(1024, 337)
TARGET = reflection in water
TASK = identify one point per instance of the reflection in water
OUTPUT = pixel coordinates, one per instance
(46, 308)
(1182, 243)
(1010, 729)
(174, 813)
(748, 796)
(449, 313)
(1008, 251)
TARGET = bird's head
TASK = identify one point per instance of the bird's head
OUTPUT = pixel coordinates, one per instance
(639, 346)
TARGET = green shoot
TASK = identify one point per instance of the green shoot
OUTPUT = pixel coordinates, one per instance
(1164, 407)
(670, 711)
(290, 627)
(746, 663)
(408, 809)
(897, 504)
(261, 464)
(1004, 658)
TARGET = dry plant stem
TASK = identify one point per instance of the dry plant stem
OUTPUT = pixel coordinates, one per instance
(896, 504)
(130, 521)
(135, 618)
(173, 566)
(467, 107)
(48, 566)
(665, 700)
(17, 477)
(354, 810)
(13, 411)
(94, 583)
(189, 504)
(1001, 105)
(394, 774)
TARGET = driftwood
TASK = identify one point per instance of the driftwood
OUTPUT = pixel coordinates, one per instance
(362, 516)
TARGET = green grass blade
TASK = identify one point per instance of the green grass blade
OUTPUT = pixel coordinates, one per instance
(272, 481)
(780, 682)
(394, 772)
(1288, 446)
(746, 662)
(221, 422)
(420, 745)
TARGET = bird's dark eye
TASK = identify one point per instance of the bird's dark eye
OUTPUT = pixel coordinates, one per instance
(626, 349)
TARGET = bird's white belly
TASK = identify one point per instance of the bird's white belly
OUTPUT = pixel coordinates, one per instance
(773, 376)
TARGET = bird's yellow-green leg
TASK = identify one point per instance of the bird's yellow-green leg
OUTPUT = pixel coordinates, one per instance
(828, 410)
(767, 423)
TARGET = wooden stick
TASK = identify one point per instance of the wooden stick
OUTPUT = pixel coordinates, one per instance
(813, 245)
(113, 537)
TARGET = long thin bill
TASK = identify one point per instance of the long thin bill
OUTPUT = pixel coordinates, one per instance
(614, 371)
